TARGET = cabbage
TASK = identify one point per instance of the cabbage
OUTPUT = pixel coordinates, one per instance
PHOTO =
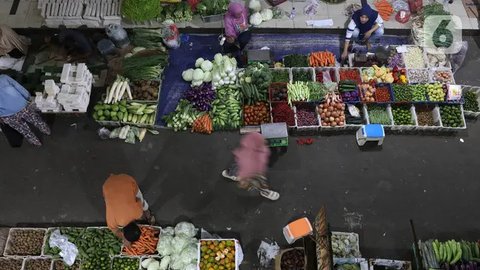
(255, 5)
(256, 19)
(206, 65)
(181, 242)
(199, 62)
(153, 266)
(164, 246)
(189, 254)
(187, 75)
(207, 76)
(186, 229)
(145, 263)
(191, 267)
(169, 230)
(164, 263)
(176, 263)
(267, 14)
(198, 74)
(218, 59)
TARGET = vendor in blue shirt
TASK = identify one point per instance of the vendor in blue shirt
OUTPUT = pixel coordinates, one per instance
(365, 25)
(16, 110)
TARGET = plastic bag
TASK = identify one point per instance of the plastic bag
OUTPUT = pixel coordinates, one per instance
(176, 262)
(457, 59)
(170, 34)
(189, 254)
(191, 267)
(104, 133)
(267, 252)
(164, 246)
(326, 76)
(68, 250)
(185, 228)
(311, 7)
(400, 5)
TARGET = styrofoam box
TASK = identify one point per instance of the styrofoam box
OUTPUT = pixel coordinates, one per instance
(238, 252)
(320, 69)
(427, 71)
(37, 258)
(344, 126)
(309, 69)
(14, 258)
(307, 128)
(476, 90)
(357, 247)
(462, 117)
(435, 115)
(289, 70)
(7, 245)
(405, 127)
(424, 56)
(367, 116)
(432, 73)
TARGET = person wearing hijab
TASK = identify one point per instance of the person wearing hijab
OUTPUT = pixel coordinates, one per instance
(250, 166)
(236, 28)
(365, 25)
(16, 110)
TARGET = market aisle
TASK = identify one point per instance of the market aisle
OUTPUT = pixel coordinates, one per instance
(431, 179)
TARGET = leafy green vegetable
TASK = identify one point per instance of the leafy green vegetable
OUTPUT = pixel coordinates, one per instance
(141, 10)
(317, 91)
(295, 60)
(280, 75)
(378, 115)
(471, 101)
(303, 75)
(144, 67)
(212, 7)
(147, 38)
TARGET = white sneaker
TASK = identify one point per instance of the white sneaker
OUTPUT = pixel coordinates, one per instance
(270, 194)
(231, 177)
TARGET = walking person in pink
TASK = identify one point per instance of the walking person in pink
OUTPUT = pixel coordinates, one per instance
(250, 166)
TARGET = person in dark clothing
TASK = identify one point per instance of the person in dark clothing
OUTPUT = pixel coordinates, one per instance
(365, 25)
(74, 44)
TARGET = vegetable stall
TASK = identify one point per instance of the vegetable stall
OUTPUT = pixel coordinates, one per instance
(314, 92)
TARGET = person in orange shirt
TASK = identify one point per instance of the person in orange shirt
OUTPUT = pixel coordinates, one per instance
(124, 206)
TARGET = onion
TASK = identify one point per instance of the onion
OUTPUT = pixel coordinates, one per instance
(331, 119)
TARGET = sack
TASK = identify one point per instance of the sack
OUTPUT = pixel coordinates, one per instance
(457, 59)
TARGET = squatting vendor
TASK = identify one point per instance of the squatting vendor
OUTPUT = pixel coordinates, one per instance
(365, 25)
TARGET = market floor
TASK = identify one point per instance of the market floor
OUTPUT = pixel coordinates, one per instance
(430, 179)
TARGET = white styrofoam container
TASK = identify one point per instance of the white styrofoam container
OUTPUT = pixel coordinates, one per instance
(462, 117)
(305, 128)
(348, 68)
(289, 70)
(387, 108)
(238, 252)
(8, 244)
(349, 234)
(14, 258)
(425, 61)
(424, 70)
(476, 90)
(432, 75)
(321, 69)
(37, 258)
(405, 127)
(308, 69)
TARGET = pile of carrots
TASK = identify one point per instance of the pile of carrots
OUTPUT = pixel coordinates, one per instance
(322, 59)
(384, 8)
(146, 244)
(203, 124)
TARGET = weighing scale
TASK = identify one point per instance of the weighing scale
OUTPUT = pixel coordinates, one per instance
(276, 134)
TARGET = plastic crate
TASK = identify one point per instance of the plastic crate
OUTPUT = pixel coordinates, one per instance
(25, 262)
(78, 262)
(238, 251)
(367, 116)
(137, 258)
(289, 70)
(213, 18)
(435, 112)
(413, 80)
(339, 70)
(389, 89)
(311, 107)
(19, 259)
(122, 252)
(333, 71)
(273, 87)
(355, 248)
(272, 105)
(435, 70)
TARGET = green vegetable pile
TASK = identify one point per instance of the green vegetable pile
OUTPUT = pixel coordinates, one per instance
(471, 101)
(147, 38)
(212, 7)
(252, 94)
(74, 235)
(259, 75)
(141, 10)
(378, 115)
(419, 92)
(122, 263)
(180, 12)
(402, 116)
(182, 117)
(435, 92)
(280, 75)
(144, 67)
(136, 113)
(97, 262)
(295, 60)
(451, 116)
(97, 244)
(298, 91)
(226, 112)
(402, 92)
(302, 75)
(317, 91)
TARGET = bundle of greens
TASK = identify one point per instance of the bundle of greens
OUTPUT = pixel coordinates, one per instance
(147, 38)
(212, 7)
(141, 10)
(144, 67)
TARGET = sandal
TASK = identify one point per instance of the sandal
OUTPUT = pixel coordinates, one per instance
(228, 176)
(270, 194)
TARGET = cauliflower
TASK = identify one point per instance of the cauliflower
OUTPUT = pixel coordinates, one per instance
(187, 75)
(256, 19)
(267, 14)
(255, 5)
